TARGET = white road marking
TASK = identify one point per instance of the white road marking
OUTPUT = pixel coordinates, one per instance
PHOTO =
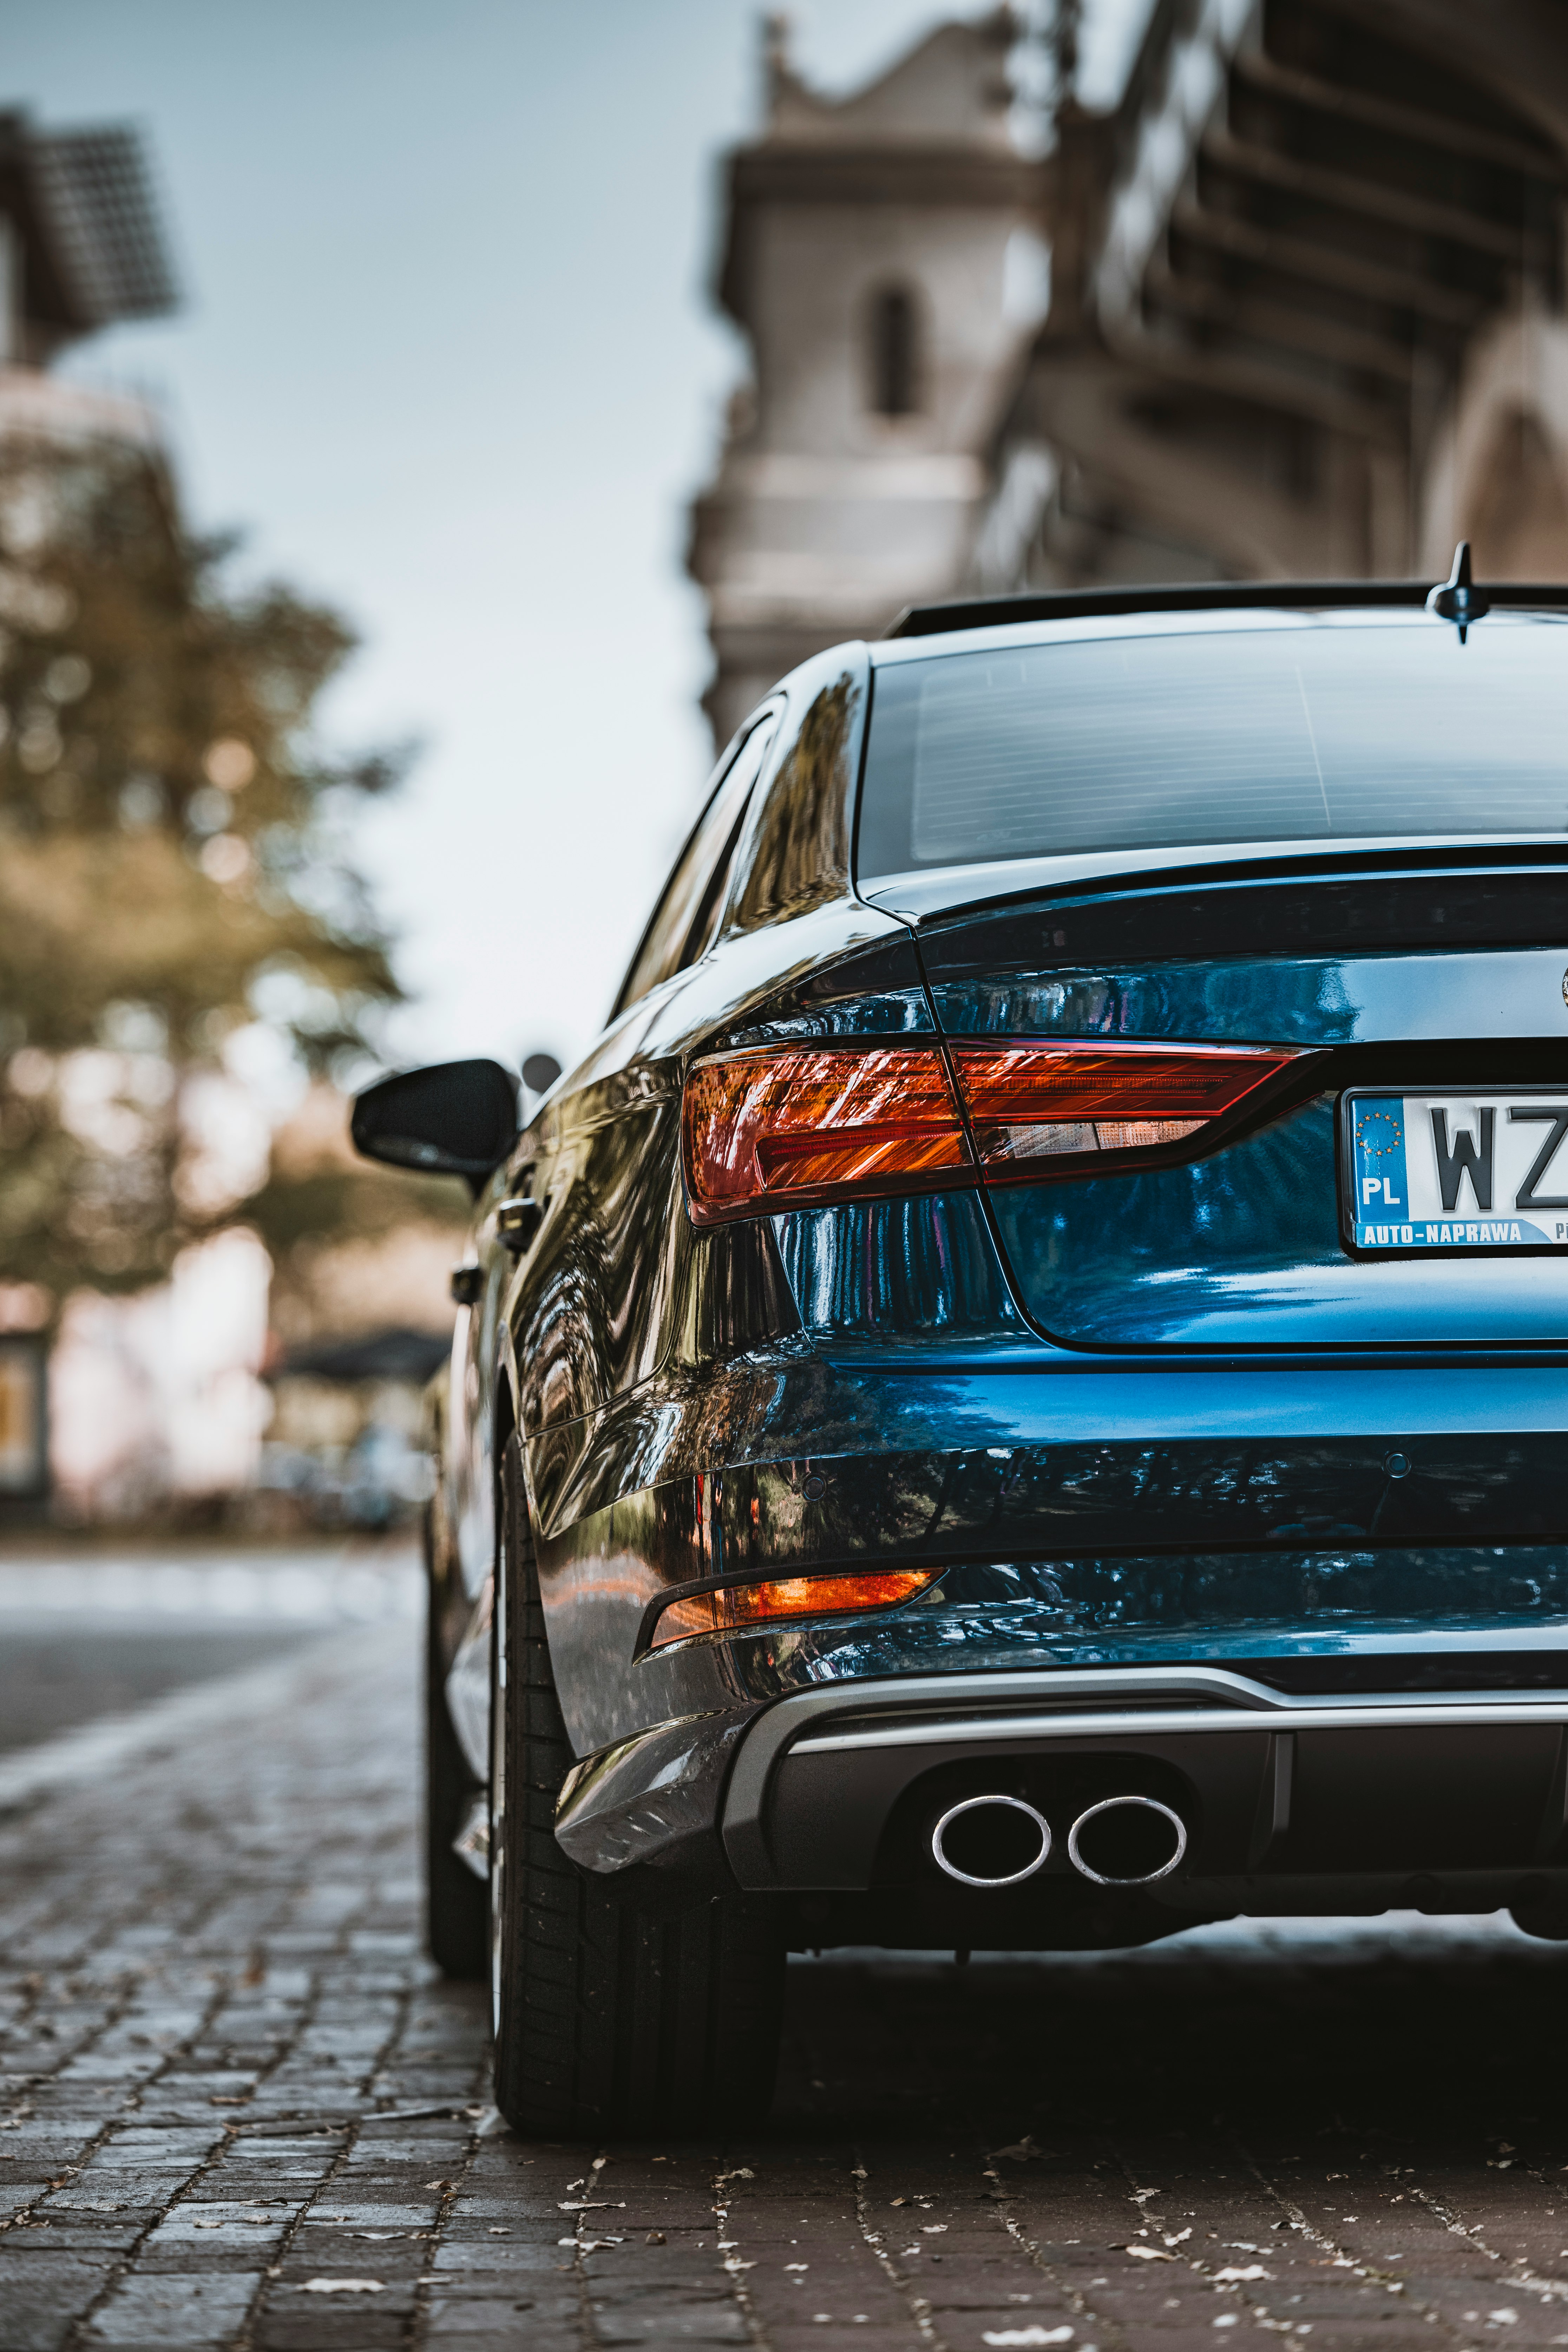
(322, 1583)
(94, 1750)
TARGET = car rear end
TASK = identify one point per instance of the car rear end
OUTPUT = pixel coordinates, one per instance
(1182, 1299)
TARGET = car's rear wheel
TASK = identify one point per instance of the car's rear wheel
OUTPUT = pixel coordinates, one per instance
(603, 2017)
(457, 1902)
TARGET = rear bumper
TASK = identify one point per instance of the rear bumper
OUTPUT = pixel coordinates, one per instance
(1326, 1606)
(1290, 1803)
(1083, 1516)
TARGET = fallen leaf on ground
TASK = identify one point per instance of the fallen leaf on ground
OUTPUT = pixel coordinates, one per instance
(343, 2286)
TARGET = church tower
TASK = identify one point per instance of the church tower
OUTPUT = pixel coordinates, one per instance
(882, 255)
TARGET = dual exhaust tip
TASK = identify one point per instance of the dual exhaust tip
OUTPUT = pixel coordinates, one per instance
(1001, 1841)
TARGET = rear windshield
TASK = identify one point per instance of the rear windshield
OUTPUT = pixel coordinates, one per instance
(1268, 734)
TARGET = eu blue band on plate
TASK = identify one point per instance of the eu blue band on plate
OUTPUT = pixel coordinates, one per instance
(1382, 1187)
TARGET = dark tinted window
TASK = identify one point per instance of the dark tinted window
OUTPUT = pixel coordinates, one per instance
(894, 356)
(797, 852)
(685, 917)
(1268, 734)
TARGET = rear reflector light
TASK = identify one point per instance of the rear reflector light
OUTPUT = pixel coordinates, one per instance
(1029, 1103)
(796, 1125)
(737, 1606)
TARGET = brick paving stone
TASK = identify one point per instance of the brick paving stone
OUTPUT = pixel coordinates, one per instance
(44, 2292)
(214, 2008)
(153, 2310)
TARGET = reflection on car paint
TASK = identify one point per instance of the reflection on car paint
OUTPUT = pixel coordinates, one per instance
(1225, 1536)
(912, 1267)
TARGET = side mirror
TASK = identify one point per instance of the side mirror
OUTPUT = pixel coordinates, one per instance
(457, 1118)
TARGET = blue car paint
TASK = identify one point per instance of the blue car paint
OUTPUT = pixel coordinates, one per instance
(1243, 1250)
(1291, 1001)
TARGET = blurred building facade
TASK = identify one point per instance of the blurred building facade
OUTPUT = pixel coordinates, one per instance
(884, 256)
(1306, 317)
(361, 1316)
(1309, 304)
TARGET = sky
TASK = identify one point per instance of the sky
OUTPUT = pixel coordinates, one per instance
(449, 357)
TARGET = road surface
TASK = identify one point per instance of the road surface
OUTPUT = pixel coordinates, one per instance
(239, 2110)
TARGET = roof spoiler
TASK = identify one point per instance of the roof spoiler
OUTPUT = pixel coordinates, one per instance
(1207, 596)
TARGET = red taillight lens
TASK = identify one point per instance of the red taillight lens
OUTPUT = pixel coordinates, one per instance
(799, 1124)
(1029, 1103)
(740, 1605)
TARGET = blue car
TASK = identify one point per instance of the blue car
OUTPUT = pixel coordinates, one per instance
(1017, 1398)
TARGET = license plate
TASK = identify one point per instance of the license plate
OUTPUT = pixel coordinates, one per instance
(1455, 1170)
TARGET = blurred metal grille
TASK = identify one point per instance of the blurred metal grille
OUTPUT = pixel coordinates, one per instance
(94, 191)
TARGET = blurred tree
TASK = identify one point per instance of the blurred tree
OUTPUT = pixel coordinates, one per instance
(172, 866)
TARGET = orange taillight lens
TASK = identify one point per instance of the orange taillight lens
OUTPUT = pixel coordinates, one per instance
(794, 1125)
(737, 1606)
(1029, 1103)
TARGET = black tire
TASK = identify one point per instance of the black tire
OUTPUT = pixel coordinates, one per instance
(457, 1902)
(604, 2018)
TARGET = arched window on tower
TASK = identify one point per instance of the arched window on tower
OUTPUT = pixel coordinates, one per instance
(894, 352)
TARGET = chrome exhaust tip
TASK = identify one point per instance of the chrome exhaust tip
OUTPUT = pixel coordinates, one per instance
(1137, 1830)
(993, 1835)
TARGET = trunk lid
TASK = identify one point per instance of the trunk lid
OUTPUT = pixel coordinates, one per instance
(1424, 989)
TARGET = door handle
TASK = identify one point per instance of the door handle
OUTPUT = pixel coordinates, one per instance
(517, 1223)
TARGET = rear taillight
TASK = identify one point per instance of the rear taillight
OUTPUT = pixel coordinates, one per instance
(1030, 1103)
(736, 1606)
(792, 1127)
(795, 1125)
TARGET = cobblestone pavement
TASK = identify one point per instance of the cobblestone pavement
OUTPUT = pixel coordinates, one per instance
(237, 2109)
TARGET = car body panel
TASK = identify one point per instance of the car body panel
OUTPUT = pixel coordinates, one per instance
(1243, 1247)
(1084, 1512)
(1281, 1001)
